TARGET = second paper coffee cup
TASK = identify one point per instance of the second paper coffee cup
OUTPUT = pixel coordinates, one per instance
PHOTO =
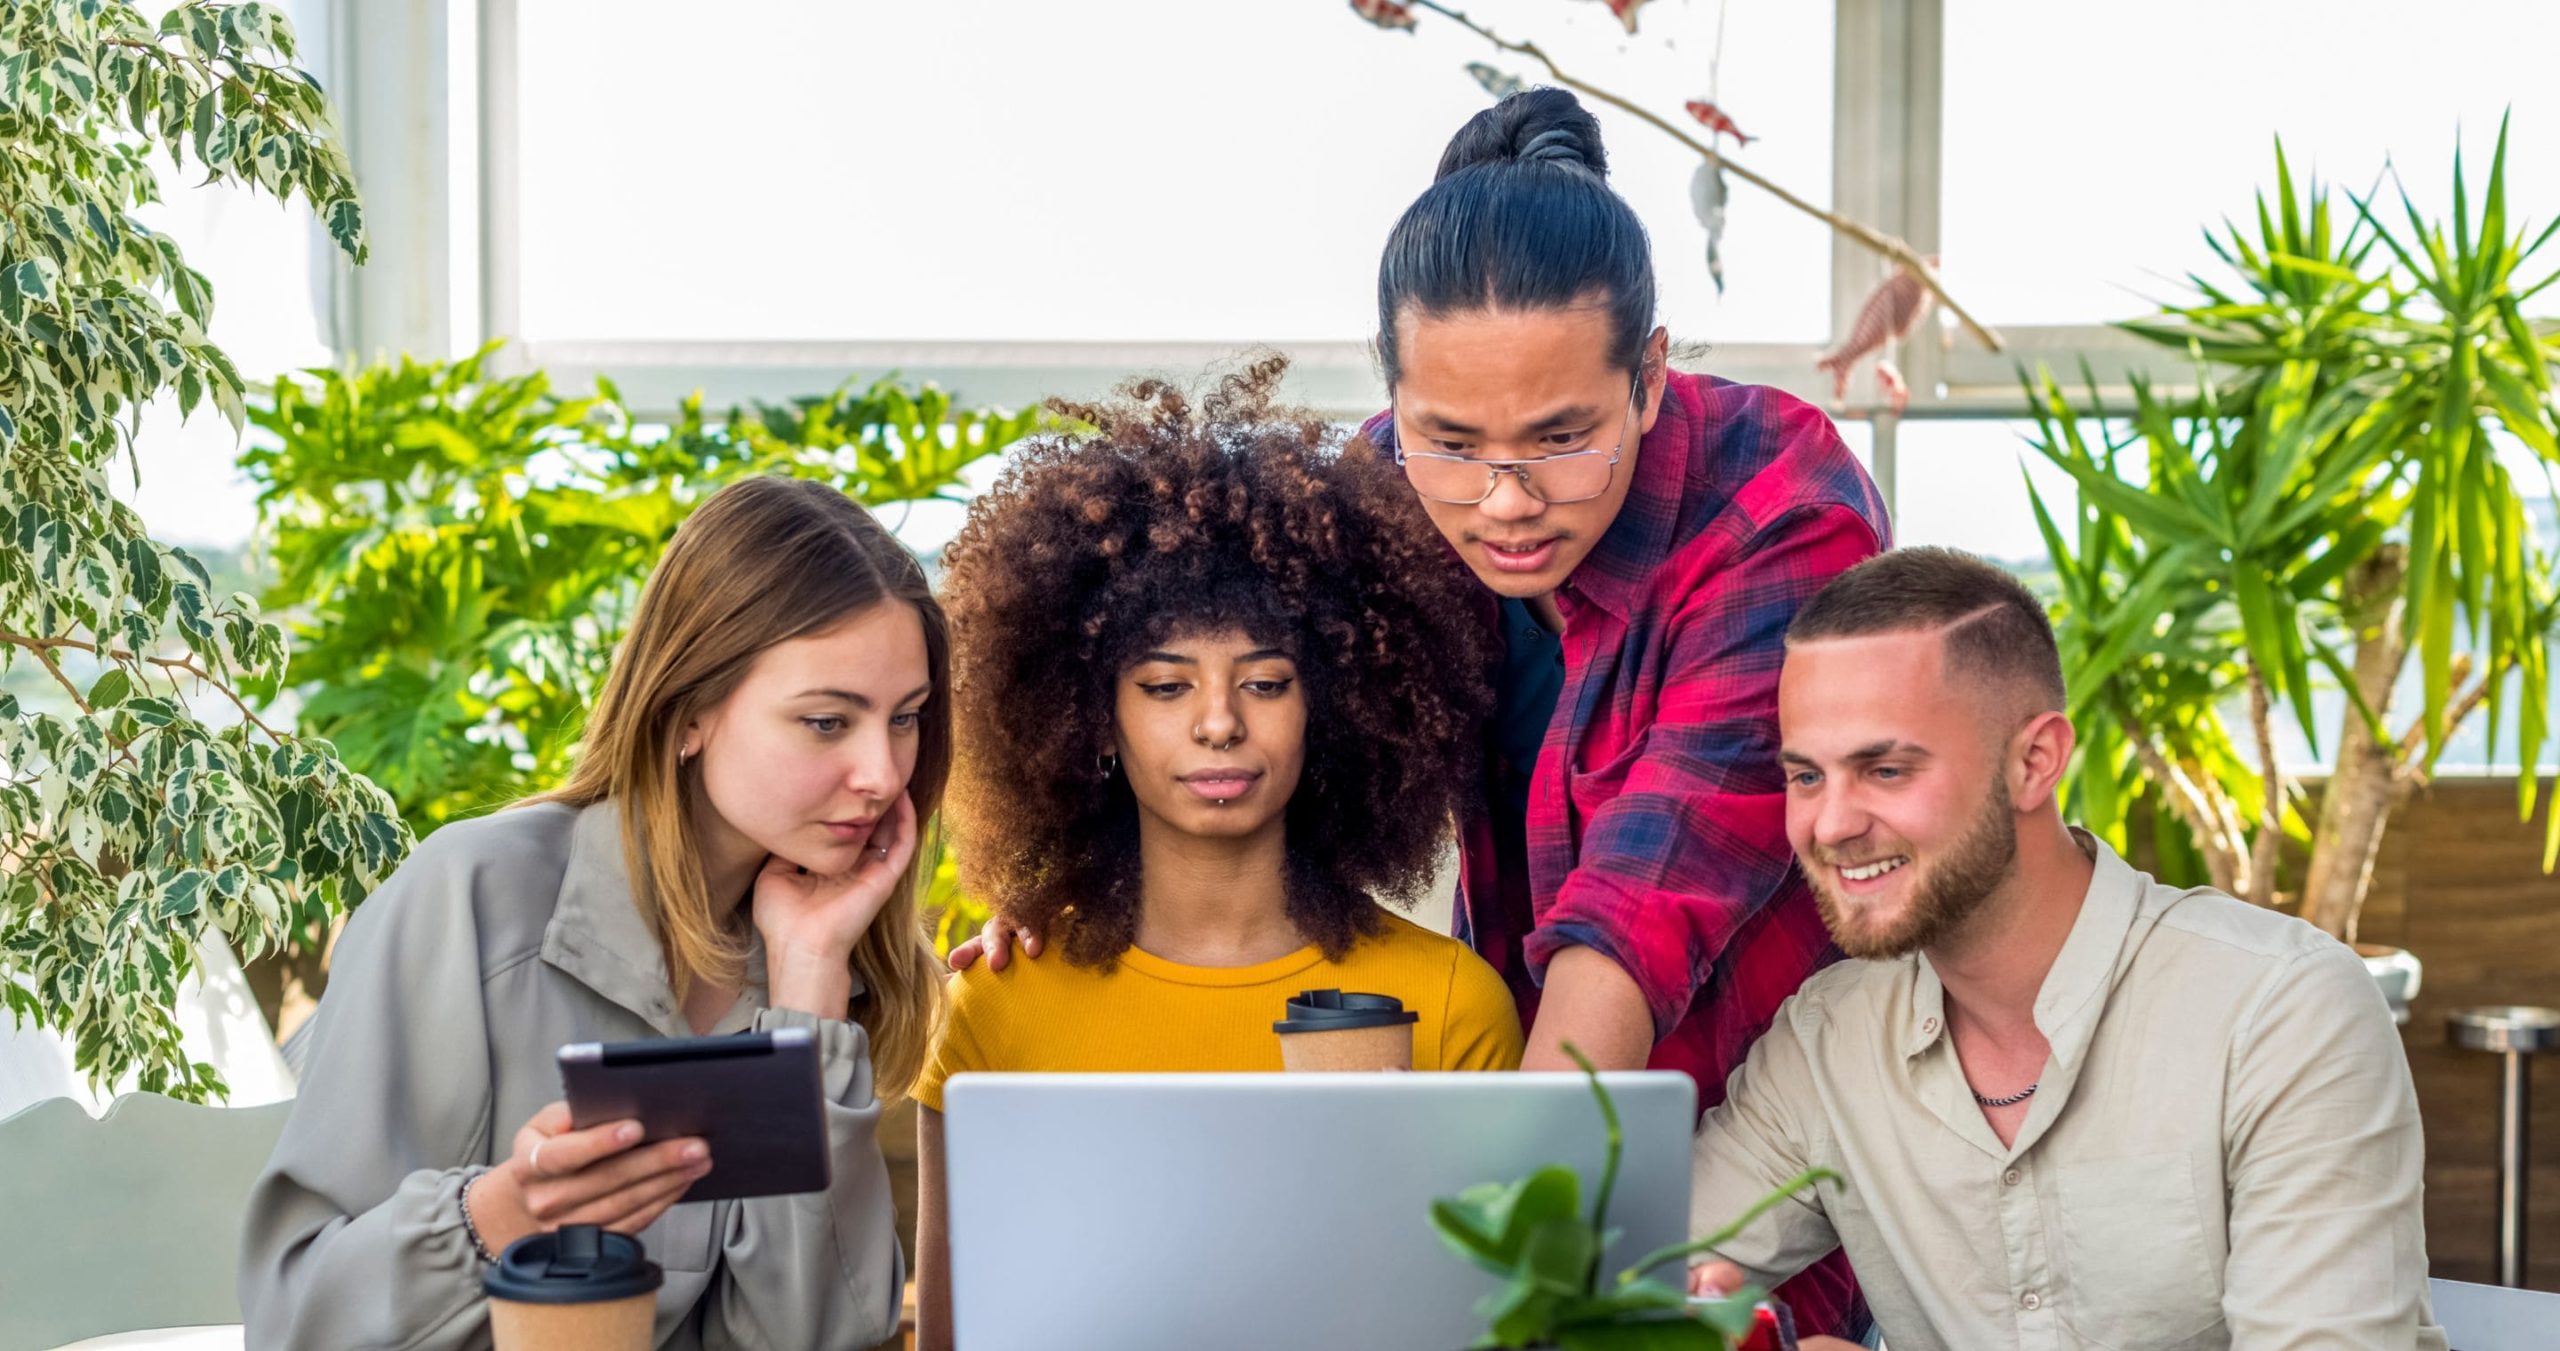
(577, 1288)
(1344, 1030)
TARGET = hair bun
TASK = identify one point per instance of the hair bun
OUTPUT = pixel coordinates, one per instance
(1556, 144)
(1534, 126)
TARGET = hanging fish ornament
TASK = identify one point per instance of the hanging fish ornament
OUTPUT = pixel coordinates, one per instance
(1500, 84)
(1713, 119)
(1890, 313)
(1385, 14)
(1707, 198)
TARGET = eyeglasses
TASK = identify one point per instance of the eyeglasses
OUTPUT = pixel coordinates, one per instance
(1557, 480)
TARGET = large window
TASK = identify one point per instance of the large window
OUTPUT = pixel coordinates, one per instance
(2086, 146)
(271, 267)
(1120, 171)
(1021, 197)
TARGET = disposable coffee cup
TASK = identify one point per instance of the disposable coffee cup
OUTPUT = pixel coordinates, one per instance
(1337, 1030)
(577, 1288)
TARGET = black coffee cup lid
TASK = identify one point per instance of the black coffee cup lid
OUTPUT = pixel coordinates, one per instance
(574, 1264)
(1341, 1011)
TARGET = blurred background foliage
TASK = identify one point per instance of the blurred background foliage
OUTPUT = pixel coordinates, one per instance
(457, 552)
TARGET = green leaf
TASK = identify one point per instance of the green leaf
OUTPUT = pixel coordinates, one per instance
(103, 226)
(184, 894)
(1684, 1334)
(110, 688)
(1492, 1222)
(346, 226)
(201, 127)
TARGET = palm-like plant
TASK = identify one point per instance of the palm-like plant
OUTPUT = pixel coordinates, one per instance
(2329, 502)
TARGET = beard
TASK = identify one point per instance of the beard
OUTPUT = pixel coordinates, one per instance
(1947, 893)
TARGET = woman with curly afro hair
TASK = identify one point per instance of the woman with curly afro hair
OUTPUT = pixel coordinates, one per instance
(1217, 689)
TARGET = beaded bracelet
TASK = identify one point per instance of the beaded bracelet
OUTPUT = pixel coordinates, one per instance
(462, 1199)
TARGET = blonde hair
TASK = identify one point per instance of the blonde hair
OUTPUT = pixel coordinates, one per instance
(764, 561)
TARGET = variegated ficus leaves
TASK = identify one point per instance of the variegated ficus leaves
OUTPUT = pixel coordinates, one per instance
(148, 809)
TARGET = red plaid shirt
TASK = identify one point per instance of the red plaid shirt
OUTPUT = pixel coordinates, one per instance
(1656, 829)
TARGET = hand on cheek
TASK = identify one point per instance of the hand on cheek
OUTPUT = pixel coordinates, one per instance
(810, 922)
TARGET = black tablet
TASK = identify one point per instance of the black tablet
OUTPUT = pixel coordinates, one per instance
(754, 1098)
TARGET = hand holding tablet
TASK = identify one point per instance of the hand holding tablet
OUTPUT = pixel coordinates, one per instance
(558, 1175)
(753, 1100)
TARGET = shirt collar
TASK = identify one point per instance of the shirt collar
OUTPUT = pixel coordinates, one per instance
(2074, 989)
(1614, 574)
(597, 933)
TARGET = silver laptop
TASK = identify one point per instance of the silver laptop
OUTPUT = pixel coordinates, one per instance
(1175, 1212)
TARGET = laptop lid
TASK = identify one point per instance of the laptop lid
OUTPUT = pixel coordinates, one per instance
(1245, 1211)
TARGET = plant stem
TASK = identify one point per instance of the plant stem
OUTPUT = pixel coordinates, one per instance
(42, 647)
(1719, 1238)
(2364, 774)
(2263, 851)
(1617, 1146)
(2222, 866)
(2415, 739)
(1901, 253)
(46, 657)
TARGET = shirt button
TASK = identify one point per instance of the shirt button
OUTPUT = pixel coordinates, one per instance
(1929, 1025)
(2011, 1178)
(2030, 1301)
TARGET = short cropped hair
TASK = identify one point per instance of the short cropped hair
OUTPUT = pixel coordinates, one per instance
(1994, 627)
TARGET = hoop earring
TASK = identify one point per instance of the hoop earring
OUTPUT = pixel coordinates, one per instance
(1105, 765)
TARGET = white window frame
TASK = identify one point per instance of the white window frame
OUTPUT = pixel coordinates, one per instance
(452, 279)
(426, 89)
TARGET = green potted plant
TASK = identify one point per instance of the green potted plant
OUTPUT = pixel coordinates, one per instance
(151, 808)
(1534, 1235)
(2327, 506)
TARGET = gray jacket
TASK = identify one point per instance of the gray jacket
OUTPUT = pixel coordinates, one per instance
(500, 939)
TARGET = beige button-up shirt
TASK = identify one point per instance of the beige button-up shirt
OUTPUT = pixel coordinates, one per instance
(2223, 1151)
(497, 941)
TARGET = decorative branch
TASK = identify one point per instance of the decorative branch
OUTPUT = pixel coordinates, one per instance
(53, 666)
(1901, 254)
(42, 647)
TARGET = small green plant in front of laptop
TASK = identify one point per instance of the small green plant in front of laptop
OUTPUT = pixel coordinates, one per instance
(1533, 1234)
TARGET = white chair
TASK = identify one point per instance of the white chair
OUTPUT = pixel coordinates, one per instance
(2495, 1317)
(127, 1222)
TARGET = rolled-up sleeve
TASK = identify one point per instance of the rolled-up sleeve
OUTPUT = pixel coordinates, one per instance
(2325, 1162)
(1750, 1145)
(818, 1269)
(1695, 843)
(353, 1235)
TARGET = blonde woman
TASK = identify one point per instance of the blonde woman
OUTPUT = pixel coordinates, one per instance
(734, 851)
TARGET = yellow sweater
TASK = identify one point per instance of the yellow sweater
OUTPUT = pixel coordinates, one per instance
(1151, 1014)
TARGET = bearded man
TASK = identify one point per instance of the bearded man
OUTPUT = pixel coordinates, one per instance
(2071, 1106)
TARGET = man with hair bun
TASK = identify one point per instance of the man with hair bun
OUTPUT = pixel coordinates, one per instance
(2071, 1106)
(1645, 534)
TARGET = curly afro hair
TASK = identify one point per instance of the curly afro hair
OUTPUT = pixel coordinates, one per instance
(1163, 522)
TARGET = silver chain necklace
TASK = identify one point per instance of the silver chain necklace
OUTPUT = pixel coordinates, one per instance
(2010, 1101)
